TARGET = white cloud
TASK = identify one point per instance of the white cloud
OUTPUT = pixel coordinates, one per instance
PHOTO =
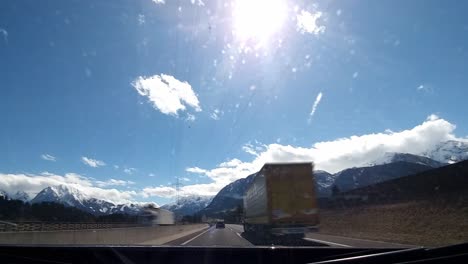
(116, 167)
(113, 182)
(92, 162)
(216, 114)
(231, 163)
(4, 33)
(130, 171)
(432, 117)
(210, 189)
(167, 94)
(307, 22)
(196, 170)
(48, 157)
(249, 149)
(425, 88)
(32, 184)
(314, 106)
(161, 191)
(355, 75)
(190, 118)
(151, 175)
(141, 19)
(185, 179)
(197, 2)
(331, 156)
(159, 2)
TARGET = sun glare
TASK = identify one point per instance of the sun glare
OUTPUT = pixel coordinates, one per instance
(257, 20)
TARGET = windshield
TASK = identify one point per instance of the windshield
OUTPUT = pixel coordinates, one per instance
(234, 123)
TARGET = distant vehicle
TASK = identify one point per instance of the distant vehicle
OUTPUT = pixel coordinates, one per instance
(157, 216)
(220, 225)
(281, 200)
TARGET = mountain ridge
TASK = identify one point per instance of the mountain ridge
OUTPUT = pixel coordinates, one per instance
(188, 205)
(72, 197)
(395, 165)
(390, 165)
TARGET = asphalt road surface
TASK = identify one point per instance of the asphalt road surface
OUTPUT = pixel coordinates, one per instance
(212, 236)
(234, 236)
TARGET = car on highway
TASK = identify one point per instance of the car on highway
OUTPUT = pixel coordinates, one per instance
(220, 225)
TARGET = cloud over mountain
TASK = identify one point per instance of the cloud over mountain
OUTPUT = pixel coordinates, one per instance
(331, 156)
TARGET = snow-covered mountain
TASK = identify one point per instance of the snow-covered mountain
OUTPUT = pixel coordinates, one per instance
(72, 197)
(450, 151)
(390, 166)
(188, 205)
(324, 181)
(230, 197)
(391, 157)
(19, 195)
(3, 194)
(61, 194)
(363, 176)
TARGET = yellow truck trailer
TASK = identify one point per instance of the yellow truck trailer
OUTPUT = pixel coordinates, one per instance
(281, 200)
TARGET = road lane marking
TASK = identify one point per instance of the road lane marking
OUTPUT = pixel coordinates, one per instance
(237, 233)
(190, 240)
(326, 242)
(373, 241)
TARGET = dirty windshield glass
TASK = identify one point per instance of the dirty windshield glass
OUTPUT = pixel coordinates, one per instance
(234, 123)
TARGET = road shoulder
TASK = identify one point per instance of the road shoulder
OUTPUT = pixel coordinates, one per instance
(169, 239)
(339, 241)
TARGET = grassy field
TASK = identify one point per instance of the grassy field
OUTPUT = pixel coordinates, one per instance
(423, 223)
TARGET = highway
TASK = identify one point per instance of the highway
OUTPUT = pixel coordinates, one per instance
(212, 236)
(183, 235)
(234, 236)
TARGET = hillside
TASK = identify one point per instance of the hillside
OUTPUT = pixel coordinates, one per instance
(428, 208)
(450, 180)
(359, 177)
(229, 198)
(394, 165)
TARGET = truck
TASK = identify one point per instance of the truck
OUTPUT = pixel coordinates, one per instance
(281, 201)
(156, 216)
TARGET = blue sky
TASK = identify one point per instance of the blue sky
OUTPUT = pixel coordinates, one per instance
(69, 74)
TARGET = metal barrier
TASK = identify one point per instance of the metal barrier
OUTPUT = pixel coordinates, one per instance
(51, 226)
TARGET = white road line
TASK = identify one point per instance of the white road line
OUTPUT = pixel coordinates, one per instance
(326, 242)
(190, 240)
(237, 233)
(373, 241)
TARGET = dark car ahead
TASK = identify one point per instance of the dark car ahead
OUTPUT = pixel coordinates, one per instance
(220, 225)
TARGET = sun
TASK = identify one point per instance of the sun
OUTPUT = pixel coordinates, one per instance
(256, 21)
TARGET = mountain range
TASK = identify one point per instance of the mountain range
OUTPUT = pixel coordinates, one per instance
(19, 195)
(387, 167)
(445, 185)
(450, 151)
(229, 197)
(390, 166)
(72, 197)
(188, 205)
(396, 165)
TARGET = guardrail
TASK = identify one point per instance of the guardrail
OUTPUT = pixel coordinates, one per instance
(52, 226)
